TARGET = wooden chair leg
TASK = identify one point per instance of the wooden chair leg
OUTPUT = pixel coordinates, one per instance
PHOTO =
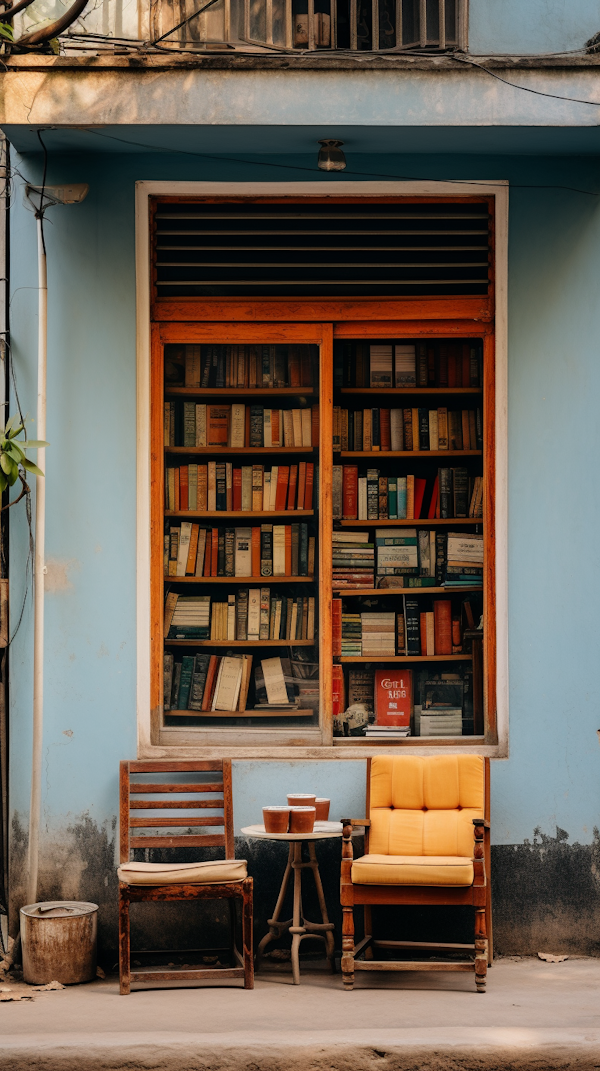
(247, 919)
(124, 942)
(481, 950)
(348, 947)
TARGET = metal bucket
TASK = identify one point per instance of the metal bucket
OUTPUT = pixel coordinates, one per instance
(59, 942)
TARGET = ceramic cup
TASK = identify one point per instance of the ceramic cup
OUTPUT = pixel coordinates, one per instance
(322, 805)
(301, 799)
(276, 819)
(302, 819)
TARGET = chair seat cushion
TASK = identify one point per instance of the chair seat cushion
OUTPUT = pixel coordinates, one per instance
(441, 870)
(214, 871)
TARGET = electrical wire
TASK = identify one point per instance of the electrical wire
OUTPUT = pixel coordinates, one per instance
(525, 89)
(358, 174)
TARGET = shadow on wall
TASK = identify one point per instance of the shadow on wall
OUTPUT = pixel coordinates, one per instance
(546, 895)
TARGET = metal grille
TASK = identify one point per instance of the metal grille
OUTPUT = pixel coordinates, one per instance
(357, 25)
(310, 249)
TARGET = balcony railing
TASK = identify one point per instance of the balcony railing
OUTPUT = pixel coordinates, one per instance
(266, 25)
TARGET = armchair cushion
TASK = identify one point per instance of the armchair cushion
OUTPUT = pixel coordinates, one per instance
(213, 871)
(425, 806)
(442, 870)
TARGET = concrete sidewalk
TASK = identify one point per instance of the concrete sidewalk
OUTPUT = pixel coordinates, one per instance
(534, 1016)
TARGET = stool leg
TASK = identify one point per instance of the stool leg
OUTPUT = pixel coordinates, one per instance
(329, 942)
(296, 927)
(276, 930)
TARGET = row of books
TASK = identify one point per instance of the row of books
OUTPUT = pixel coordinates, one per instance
(407, 558)
(264, 550)
(425, 363)
(382, 703)
(407, 429)
(194, 424)
(453, 494)
(239, 366)
(256, 614)
(412, 632)
(221, 486)
(206, 682)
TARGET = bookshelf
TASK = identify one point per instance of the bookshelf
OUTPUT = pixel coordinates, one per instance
(290, 731)
(408, 491)
(237, 531)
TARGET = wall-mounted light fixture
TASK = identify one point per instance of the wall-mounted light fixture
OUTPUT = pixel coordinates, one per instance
(331, 157)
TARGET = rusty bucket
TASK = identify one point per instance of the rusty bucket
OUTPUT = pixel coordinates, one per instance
(59, 942)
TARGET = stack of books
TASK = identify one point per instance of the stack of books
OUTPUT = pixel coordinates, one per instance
(464, 566)
(353, 560)
(275, 685)
(378, 634)
(351, 635)
(447, 722)
(187, 617)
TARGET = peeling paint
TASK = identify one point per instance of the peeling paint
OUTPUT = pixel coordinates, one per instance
(58, 570)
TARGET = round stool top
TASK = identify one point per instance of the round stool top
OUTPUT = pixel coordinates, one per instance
(322, 831)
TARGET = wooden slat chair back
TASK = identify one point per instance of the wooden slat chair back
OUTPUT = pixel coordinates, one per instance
(426, 842)
(170, 806)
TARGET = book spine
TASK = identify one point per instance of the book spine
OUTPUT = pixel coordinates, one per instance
(445, 493)
(372, 494)
(350, 493)
(442, 610)
(408, 429)
(412, 623)
(266, 550)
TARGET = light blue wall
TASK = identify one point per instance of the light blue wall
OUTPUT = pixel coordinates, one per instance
(518, 27)
(552, 775)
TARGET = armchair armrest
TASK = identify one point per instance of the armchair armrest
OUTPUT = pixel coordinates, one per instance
(481, 822)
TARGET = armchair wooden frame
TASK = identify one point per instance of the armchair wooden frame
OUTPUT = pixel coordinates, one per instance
(477, 895)
(163, 812)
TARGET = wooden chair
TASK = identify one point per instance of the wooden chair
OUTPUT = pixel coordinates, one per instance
(172, 798)
(426, 842)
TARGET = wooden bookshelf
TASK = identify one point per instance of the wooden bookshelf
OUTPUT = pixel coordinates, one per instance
(233, 451)
(423, 522)
(241, 515)
(248, 644)
(240, 713)
(423, 454)
(200, 322)
(382, 592)
(245, 581)
(343, 659)
(239, 392)
(413, 391)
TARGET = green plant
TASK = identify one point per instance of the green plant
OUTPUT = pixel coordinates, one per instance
(13, 461)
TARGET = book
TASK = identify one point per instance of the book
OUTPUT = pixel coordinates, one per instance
(393, 696)
(380, 365)
(405, 366)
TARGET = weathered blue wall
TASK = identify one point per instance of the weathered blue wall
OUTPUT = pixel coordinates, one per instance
(552, 776)
(518, 27)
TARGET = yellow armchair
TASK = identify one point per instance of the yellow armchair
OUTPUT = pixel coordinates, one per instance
(426, 842)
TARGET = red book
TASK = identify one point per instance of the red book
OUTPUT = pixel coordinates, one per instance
(283, 476)
(292, 487)
(308, 488)
(338, 690)
(434, 500)
(314, 426)
(350, 492)
(214, 562)
(256, 551)
(302, 484)
(442, 611)
(384, 429)
(336, 626)
(393, 696)
(217, 425)
(423, 632)
(211, 680)
(237, 489)
(419, 493)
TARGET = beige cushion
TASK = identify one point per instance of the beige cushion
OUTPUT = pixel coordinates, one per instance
(444, 870)
(216, 870)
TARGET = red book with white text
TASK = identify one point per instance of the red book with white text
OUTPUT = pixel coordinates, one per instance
(393, 696)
